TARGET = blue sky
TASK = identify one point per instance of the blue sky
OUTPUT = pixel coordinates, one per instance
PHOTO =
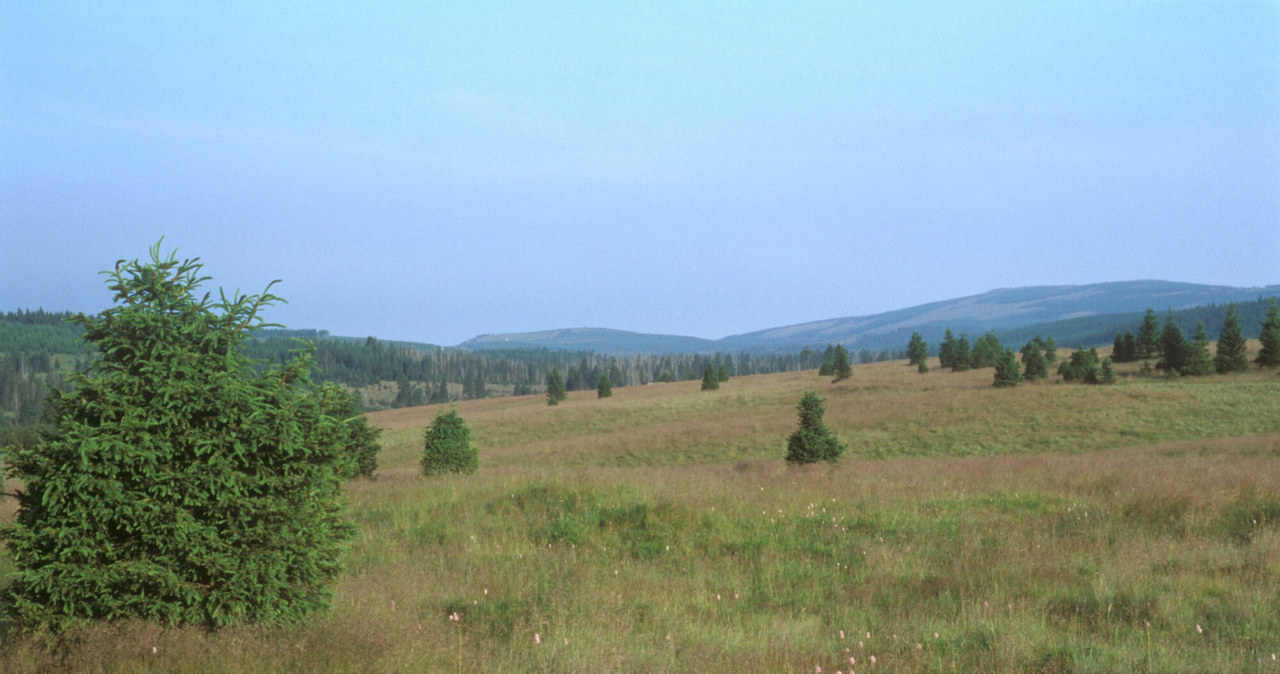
(432, 171)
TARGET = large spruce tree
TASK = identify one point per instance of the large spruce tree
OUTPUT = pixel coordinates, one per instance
(183, 483)
(1008, 372)
(1174, 350)
(1231, 354)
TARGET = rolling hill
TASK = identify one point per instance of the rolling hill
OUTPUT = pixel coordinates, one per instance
(1001, 310)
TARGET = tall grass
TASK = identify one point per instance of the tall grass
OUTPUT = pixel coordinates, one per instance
(1043, 528)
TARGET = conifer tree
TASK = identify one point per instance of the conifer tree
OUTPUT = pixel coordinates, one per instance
(946, 352)
(605, 388)
(447, 446)
(840, 366)
(828, 362)
(961, 358)
(986, 351)
(1198, 362)
(1149, 336)
(722, 374)
(1269, 355)
(709, 380)
(555, 387)
(812, 441)
(183, 483)
(1008, 372)
(917, 351)
(1050, 350)
(1173, 347)
(1231, 354)
(1033, 361)
(1108, 375)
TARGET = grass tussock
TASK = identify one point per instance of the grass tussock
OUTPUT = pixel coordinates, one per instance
(1045, 528)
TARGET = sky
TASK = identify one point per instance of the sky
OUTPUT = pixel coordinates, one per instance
(431, 171)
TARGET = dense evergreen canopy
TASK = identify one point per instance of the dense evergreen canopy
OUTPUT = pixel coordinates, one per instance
(182, 483)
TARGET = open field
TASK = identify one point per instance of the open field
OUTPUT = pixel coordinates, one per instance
(1044, 528)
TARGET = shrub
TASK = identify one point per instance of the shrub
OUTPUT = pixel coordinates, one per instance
(357, 439)
(184, 483)
(447, 446)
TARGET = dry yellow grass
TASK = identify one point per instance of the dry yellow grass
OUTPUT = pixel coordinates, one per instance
(1047, 527)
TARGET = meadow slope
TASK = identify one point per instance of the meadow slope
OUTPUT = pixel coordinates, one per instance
(1048, 527)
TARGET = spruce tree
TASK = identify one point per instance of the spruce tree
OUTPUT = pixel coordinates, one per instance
(709, 380)
(1108, 375)
(812, 441)
(358, 440)
(605, 388)
(1033, 361)
(1231, 354)
(1173, 347)
(555, 387)
(447, 446)
(183, 483)
(1008, 372)
(986, 351)
(961, 358)
(828, 362)
(1050, 349)
(917, 351)
(840, 366)
(1198, 361)
(1149, 336)
(722, 374)
(946, 352)
(1269, 355)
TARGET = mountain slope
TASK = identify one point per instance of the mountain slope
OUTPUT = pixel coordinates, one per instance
(1003, 309)
(600, 340)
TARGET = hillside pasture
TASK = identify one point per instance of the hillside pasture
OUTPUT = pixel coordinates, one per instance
(1048, 527)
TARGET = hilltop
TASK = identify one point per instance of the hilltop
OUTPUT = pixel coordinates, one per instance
(1002, 309)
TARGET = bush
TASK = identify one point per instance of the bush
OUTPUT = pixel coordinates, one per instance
(183, 483)
(448, 446)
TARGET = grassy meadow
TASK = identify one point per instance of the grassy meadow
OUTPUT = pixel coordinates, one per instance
(1043, 528)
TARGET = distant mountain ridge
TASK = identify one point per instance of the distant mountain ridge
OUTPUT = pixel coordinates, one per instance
(1001, 309)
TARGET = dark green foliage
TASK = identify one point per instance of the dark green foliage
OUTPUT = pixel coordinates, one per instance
(1231, 355)
(1033, 361)
(946, 352)
(1149, 336)
(961, 357)
(917, 351)
(1125, 348)
(1082, 366)
(356, 438)
(722, 374)
(555, 387)
(1269, 355)
(828, 366)
(986, 351)
(1199, 363)
(1108, 375)
(710, 381)
(1050, 349)
(922, 367)
(605, 388)
(812, 441)
(1008, 372)
(184, 483)
(1174, 350)
(447, 446)
(841, 369)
